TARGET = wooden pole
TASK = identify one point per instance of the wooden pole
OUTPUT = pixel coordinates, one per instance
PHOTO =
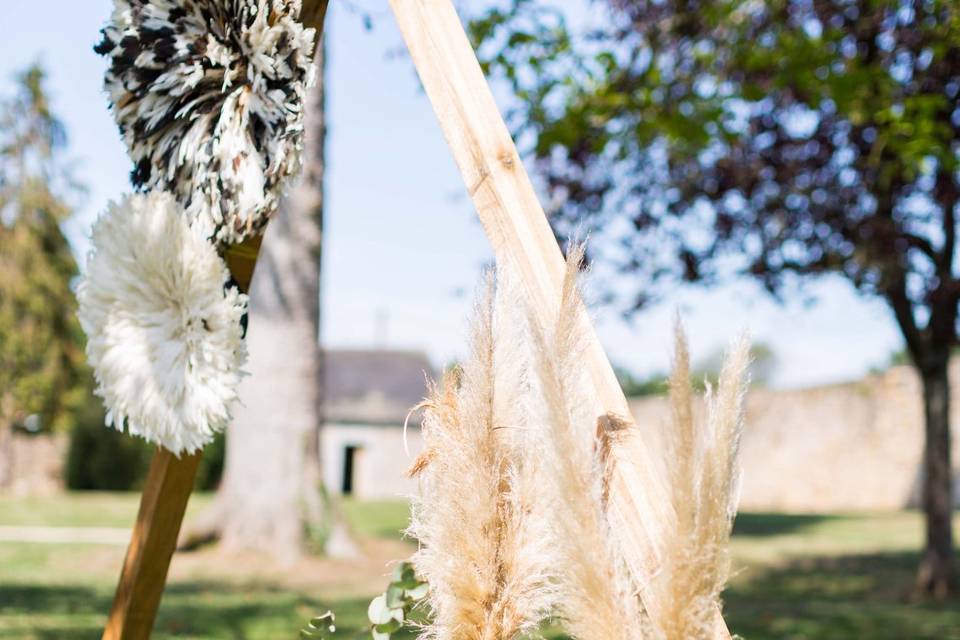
(170, 479)
(515, 223)
(164, 500)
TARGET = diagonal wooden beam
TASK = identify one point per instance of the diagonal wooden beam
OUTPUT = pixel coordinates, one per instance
(162, 505)
(515, 223)
(170, 479)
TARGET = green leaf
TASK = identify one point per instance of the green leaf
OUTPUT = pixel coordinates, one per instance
(390, 626)
(321, 627)
(519, 37)
(419, 592)
(394, 596)
(388, 611)
(404, 576)
(378, 612)
(398, 571)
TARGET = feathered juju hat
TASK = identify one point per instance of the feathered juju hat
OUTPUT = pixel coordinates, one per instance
(209, 97)
(164, 328)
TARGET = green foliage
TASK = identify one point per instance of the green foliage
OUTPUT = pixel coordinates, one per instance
(763, 364)
(103, 459)
(321, 627)
(388, 613)
(42, 371)
(100, 458)
(634, 387)
(211, 464)
(772, 139)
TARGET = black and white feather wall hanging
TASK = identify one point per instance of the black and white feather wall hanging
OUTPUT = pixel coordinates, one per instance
(209, 98)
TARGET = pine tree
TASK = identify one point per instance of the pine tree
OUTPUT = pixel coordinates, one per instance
(42, 372)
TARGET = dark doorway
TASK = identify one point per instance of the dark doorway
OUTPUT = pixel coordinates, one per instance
(349, 464)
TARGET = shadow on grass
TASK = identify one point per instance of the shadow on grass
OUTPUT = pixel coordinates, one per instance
(188, 610)
(840, 598)
(847, 597)
(49, 612)
(30, 598)
(775, 524)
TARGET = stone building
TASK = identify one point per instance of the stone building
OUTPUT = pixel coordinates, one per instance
(368, 396)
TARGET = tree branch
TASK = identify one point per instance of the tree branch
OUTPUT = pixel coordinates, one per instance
(896, 294)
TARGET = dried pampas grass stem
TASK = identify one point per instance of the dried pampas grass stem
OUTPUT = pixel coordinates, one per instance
(478, 513)
(702, 461)
(596, 599)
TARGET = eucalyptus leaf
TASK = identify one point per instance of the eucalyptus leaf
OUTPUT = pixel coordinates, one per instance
(389, 627)
(395, 595)
(418, 592)
(321, 627)
(378, 612)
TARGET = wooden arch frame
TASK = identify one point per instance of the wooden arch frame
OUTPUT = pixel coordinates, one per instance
(517, 227)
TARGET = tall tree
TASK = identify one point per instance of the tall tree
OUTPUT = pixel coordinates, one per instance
(778, 139)
(270, 497)
(42, 370)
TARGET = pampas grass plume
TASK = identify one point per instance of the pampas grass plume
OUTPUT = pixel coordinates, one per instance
(596, 599)
(478, 514)
(702, 462)
(513, 518)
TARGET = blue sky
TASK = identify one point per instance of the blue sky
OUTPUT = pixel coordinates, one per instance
(404, 250)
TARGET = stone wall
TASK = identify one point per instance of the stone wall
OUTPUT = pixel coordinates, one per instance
(37, 463)
(854, 446)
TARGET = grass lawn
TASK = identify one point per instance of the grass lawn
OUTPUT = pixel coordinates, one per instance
(80, 509)
(797, 577)
(832, 577)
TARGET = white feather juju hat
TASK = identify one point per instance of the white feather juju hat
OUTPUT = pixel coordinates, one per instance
(164, 326)
(209, 97)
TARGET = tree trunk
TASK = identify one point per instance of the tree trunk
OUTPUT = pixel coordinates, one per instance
(935, 572)
(270, 498)
(6, 455)
(6, 442)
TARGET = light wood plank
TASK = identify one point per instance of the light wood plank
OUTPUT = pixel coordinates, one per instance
(515, 223)
(170, 479)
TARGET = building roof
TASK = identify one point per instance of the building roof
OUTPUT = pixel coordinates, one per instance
(377, 386)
